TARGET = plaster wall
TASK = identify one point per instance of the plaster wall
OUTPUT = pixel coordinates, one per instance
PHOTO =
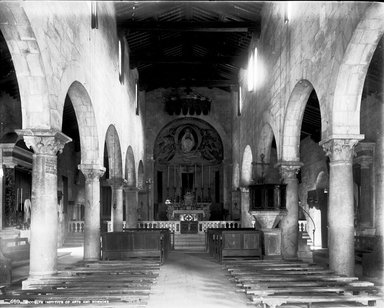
(71, 51)
(310, 46)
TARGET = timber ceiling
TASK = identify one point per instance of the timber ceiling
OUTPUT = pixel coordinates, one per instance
(188, 43)
(177, 44)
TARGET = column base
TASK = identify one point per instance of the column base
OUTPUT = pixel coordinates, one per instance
(33, 282)
(91, 259)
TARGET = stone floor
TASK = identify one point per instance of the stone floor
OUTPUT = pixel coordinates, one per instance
(192, 279)
(187, 279)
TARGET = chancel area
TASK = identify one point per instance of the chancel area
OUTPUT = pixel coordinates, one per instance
(192, 153)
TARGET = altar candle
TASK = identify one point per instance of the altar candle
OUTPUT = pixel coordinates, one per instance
(209, 176)
(168, 178)
(202, 176)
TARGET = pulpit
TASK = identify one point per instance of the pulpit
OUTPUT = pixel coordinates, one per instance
(267, 206)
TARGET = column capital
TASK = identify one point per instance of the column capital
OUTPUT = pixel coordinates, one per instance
(364, 162)
(116, 183)
(340, 150)
(244, 189)
(128, 188)
(289, 169)
(91, 172)
(44, 141)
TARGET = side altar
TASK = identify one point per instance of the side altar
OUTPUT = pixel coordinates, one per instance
(188, 209)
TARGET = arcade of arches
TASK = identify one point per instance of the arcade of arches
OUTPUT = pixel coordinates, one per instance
(84, 146)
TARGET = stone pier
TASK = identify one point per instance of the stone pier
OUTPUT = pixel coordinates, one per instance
(46, 144)
(92, 175)
(341, 206)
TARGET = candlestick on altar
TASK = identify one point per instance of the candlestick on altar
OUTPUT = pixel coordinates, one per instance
(174, 176)
(209, 176)
(168, 177)
(202, 176)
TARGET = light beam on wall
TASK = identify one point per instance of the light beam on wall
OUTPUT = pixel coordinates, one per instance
(288, 11)
(250, 72)
(120, 59)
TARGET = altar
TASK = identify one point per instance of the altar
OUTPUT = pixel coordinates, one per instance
(188, 210)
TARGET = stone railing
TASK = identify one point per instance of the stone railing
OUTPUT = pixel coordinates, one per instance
(109, 225)
(174, 226)
(76, 226)
(303, 225)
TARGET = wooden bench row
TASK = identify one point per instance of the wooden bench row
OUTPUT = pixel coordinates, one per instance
(13, 252)
(94, 284)
(279, 283)
(224, 243)
(136, 243)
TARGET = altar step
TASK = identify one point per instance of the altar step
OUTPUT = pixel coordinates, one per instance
(189, 242)
(74, 239)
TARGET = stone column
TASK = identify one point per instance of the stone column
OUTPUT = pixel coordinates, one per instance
(92, 174)
(341, 206)
(131, 206)
(117, 205)
(227, 176)
(289, 224)
(1, 196)
(365, 153)
(379, 174)
(246, 218)
(44, 217)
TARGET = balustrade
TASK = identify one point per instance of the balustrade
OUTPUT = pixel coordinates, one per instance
(76, 226)
(173, 226)
(303, 225)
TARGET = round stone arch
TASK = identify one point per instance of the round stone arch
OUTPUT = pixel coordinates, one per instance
(293, 120)
(28, 64)
(114, 153)
(349, 85)
(246, 166)
(86, 120)
(322, 180)
(140, 175)
(265, 142)
(130, 171)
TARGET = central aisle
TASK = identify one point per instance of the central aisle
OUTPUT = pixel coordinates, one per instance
(190, 279)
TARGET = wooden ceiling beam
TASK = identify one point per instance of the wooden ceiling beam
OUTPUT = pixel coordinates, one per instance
(189, 26)
(140, 60)
(173, 83)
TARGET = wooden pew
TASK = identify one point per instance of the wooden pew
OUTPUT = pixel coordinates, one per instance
(271, 284)
(228, 243)
(136, 243)
(13, 252)
(94, 284)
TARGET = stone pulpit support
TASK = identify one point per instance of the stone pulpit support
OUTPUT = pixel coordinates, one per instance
(267, 206)
(46, 144)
